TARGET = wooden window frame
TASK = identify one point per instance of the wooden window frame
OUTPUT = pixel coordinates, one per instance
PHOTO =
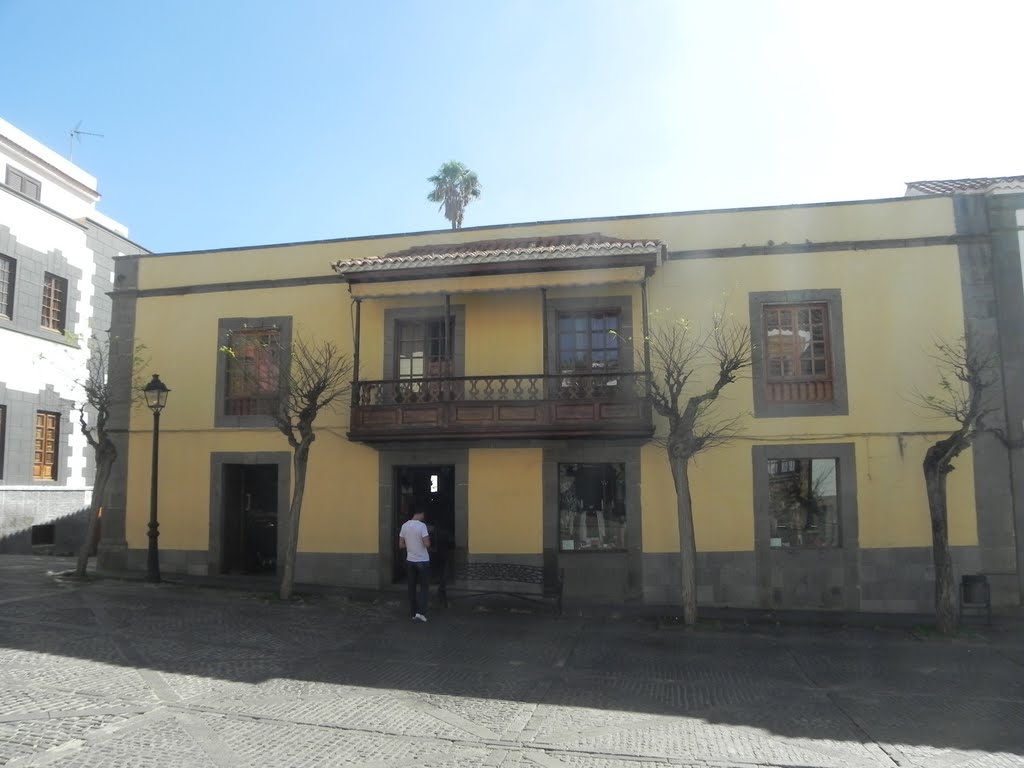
(54, 307)
(434, 366)
(46, 450)
(253, 394)
(797, 385)
(8, 275)
(837, 403)
(590, 315)
(23, 184)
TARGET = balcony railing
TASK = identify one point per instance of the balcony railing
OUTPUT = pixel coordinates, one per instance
(531, 405)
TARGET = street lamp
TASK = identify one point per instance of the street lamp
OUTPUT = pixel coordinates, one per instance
(156, 398)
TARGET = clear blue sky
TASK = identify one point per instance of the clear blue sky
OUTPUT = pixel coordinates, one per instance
(230, 123)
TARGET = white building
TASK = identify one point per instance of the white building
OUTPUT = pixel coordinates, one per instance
(56, 269)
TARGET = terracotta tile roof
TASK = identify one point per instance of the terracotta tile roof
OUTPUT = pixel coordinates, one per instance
(950, 186)
(481, 252)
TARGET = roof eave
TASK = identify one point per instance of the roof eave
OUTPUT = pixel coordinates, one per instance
(648, 259)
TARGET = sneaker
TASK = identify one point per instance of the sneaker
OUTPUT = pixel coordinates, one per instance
(419, 617)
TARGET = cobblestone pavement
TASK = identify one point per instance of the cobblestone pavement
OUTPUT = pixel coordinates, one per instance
(115, 673)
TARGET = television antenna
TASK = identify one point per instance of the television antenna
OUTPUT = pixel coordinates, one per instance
(76, 134)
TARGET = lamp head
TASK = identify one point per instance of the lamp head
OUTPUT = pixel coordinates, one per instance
(156, 394)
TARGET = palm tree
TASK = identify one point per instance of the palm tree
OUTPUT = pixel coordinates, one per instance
(455, 186)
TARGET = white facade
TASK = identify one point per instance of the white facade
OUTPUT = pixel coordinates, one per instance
(60, 234)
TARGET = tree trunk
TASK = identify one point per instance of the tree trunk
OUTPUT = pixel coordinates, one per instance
(687, 542)
(947, 606)
(292, 528)
(104, 465)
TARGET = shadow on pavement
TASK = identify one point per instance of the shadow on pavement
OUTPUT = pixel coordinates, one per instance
(251, 653)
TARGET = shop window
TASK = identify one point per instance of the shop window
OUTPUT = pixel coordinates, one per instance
(803, 502)
(44, 460)
(55, 296)
(7, 271)
(592, 507)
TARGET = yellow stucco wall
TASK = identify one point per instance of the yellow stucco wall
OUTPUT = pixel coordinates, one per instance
(889, 318)
(897, 219)
(889, 323)
(505, 502)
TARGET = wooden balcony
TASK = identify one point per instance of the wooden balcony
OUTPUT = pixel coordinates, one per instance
(600, 405)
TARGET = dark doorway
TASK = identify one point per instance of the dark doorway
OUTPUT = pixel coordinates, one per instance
(249, 537)
(432, 489)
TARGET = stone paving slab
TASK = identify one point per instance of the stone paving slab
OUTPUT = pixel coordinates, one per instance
(110, 673)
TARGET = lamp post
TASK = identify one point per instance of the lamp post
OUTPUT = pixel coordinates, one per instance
(156, 398)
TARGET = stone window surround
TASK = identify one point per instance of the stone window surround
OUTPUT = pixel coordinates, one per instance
(796, 560)
(27, 305)
(846, 483)
(225, 326)
(458, 340)
(7, 298)
(58, 447)
(839, 405)
(587, 452)
(50, 279)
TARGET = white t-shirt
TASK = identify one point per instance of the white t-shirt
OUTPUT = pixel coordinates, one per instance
(414, 532)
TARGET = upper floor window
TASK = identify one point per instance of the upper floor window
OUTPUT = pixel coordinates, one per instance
(44, 459)
(797, 353)
(798, 357)
(588, 342)
(22, 183)
(252, 387)
(55, 293)
(7, 270)
(422, 348)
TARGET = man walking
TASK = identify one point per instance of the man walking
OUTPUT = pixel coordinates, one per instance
(415, 540)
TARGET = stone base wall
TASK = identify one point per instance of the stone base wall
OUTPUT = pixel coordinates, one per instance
(193, 562)
(723, 579)
(63, 507)
(892, 580)
(337, 569)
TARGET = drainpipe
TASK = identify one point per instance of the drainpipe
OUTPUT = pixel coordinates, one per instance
(647, 337)
(449, 363)
(544, 314)
(355, 351)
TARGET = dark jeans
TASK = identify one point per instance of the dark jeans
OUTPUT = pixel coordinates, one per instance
(418, 574)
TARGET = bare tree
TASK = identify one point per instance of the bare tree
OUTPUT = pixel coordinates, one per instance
(964, 377)
(100, 398)
(311, 376)
(682, 358)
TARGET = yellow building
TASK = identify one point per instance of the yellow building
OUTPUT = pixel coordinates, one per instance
(501, 382)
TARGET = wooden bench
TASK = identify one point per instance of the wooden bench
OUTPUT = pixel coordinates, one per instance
(466, 574)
